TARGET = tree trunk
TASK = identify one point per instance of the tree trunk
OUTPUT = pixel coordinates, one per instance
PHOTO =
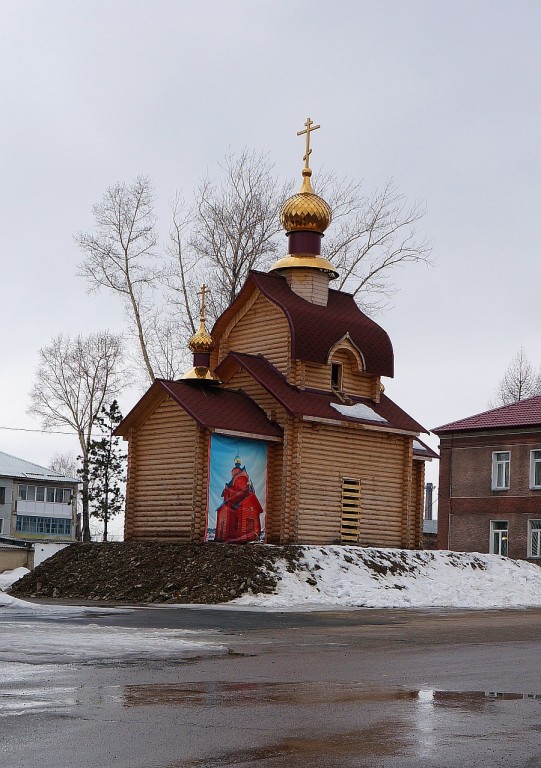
(86, 509)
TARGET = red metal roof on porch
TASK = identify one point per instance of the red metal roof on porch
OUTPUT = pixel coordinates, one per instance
(210, 406)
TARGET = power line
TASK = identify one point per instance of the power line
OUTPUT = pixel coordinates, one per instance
(45, 431)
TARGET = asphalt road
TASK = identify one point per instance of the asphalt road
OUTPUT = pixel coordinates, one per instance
(328, 690)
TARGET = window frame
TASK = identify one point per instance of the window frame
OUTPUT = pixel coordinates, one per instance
(495, 464)
(533, 462)
(42, 525)
(493, 530)
(2, 497)
(339, 367)
(531, 530)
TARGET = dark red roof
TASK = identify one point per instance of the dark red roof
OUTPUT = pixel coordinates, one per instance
(309, 402)
(314, 328)
(525, 413)
(210, 406)
(422, 450)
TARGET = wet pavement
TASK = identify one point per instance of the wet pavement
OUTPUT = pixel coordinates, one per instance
(365, 688)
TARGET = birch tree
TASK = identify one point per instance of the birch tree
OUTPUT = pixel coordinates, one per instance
(73, 380)
(120, 255)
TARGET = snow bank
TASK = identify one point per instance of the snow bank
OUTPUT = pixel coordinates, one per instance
(7, 578)
(359, 577)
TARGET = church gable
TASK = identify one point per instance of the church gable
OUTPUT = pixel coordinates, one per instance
(260, 325)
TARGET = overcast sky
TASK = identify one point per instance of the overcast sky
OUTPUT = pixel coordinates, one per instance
(441, 96)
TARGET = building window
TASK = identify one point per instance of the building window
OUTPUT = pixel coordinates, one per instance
(534, 538)
(44, 493)
(336, 376)
(52, 526)
(499, 537)
(535, 469)
(2, 495)
(501, 461)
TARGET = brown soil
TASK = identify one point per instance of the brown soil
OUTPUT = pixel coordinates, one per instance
(149, 572)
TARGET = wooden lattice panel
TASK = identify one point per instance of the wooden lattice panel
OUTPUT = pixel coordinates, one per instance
(351, 511)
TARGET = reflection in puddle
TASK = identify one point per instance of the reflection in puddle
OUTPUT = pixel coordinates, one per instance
(249, 694)
(377, 741)
(30, 699)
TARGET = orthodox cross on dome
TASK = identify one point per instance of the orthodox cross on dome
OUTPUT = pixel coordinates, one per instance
(202, 293)
(309, 127)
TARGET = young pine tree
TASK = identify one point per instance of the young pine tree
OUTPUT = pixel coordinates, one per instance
(106, 468)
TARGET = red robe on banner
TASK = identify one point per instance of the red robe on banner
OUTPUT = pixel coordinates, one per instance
(237, 518)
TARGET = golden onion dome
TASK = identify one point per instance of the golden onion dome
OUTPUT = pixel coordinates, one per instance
(306, 211)
(202, 341)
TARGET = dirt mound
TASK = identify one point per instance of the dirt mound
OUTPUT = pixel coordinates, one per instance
(148, 572)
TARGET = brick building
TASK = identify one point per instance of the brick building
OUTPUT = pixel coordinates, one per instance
(490, 482)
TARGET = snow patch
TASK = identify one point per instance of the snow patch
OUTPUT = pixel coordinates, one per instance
(7, 578)
(358, 411)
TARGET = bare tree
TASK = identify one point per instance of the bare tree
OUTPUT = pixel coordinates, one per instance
(233, 227)
(73, 379)
(65, 464)
(120, 255)
(235, 224)
(370, 237)
(519, 382)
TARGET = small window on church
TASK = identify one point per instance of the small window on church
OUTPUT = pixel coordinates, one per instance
(336, 376)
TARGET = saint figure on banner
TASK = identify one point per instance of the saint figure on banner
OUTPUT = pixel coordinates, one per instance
(237, 517)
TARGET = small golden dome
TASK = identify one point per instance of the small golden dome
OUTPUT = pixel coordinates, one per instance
(306, 211)
(202, 341)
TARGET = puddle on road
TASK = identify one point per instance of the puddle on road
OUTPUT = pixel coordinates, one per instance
(32, 699)
(250, 694)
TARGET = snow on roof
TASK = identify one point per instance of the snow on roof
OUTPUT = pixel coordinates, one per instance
(358, 411)
(11, 466)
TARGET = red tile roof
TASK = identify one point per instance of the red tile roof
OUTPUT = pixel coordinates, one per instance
(314, 328)
(210, 406)
(525, 413)
(313, 403)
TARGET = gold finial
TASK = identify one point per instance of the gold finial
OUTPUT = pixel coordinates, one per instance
(306, 172)
(201, 344)
(202, 340)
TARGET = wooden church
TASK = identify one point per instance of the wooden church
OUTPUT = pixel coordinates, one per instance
(281, 432)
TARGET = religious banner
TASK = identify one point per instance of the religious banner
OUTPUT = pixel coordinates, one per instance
(237, 490)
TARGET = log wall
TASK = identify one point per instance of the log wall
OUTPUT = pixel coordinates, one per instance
(330, 453)
(263, 329)
(417, 501)
(163, 475)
